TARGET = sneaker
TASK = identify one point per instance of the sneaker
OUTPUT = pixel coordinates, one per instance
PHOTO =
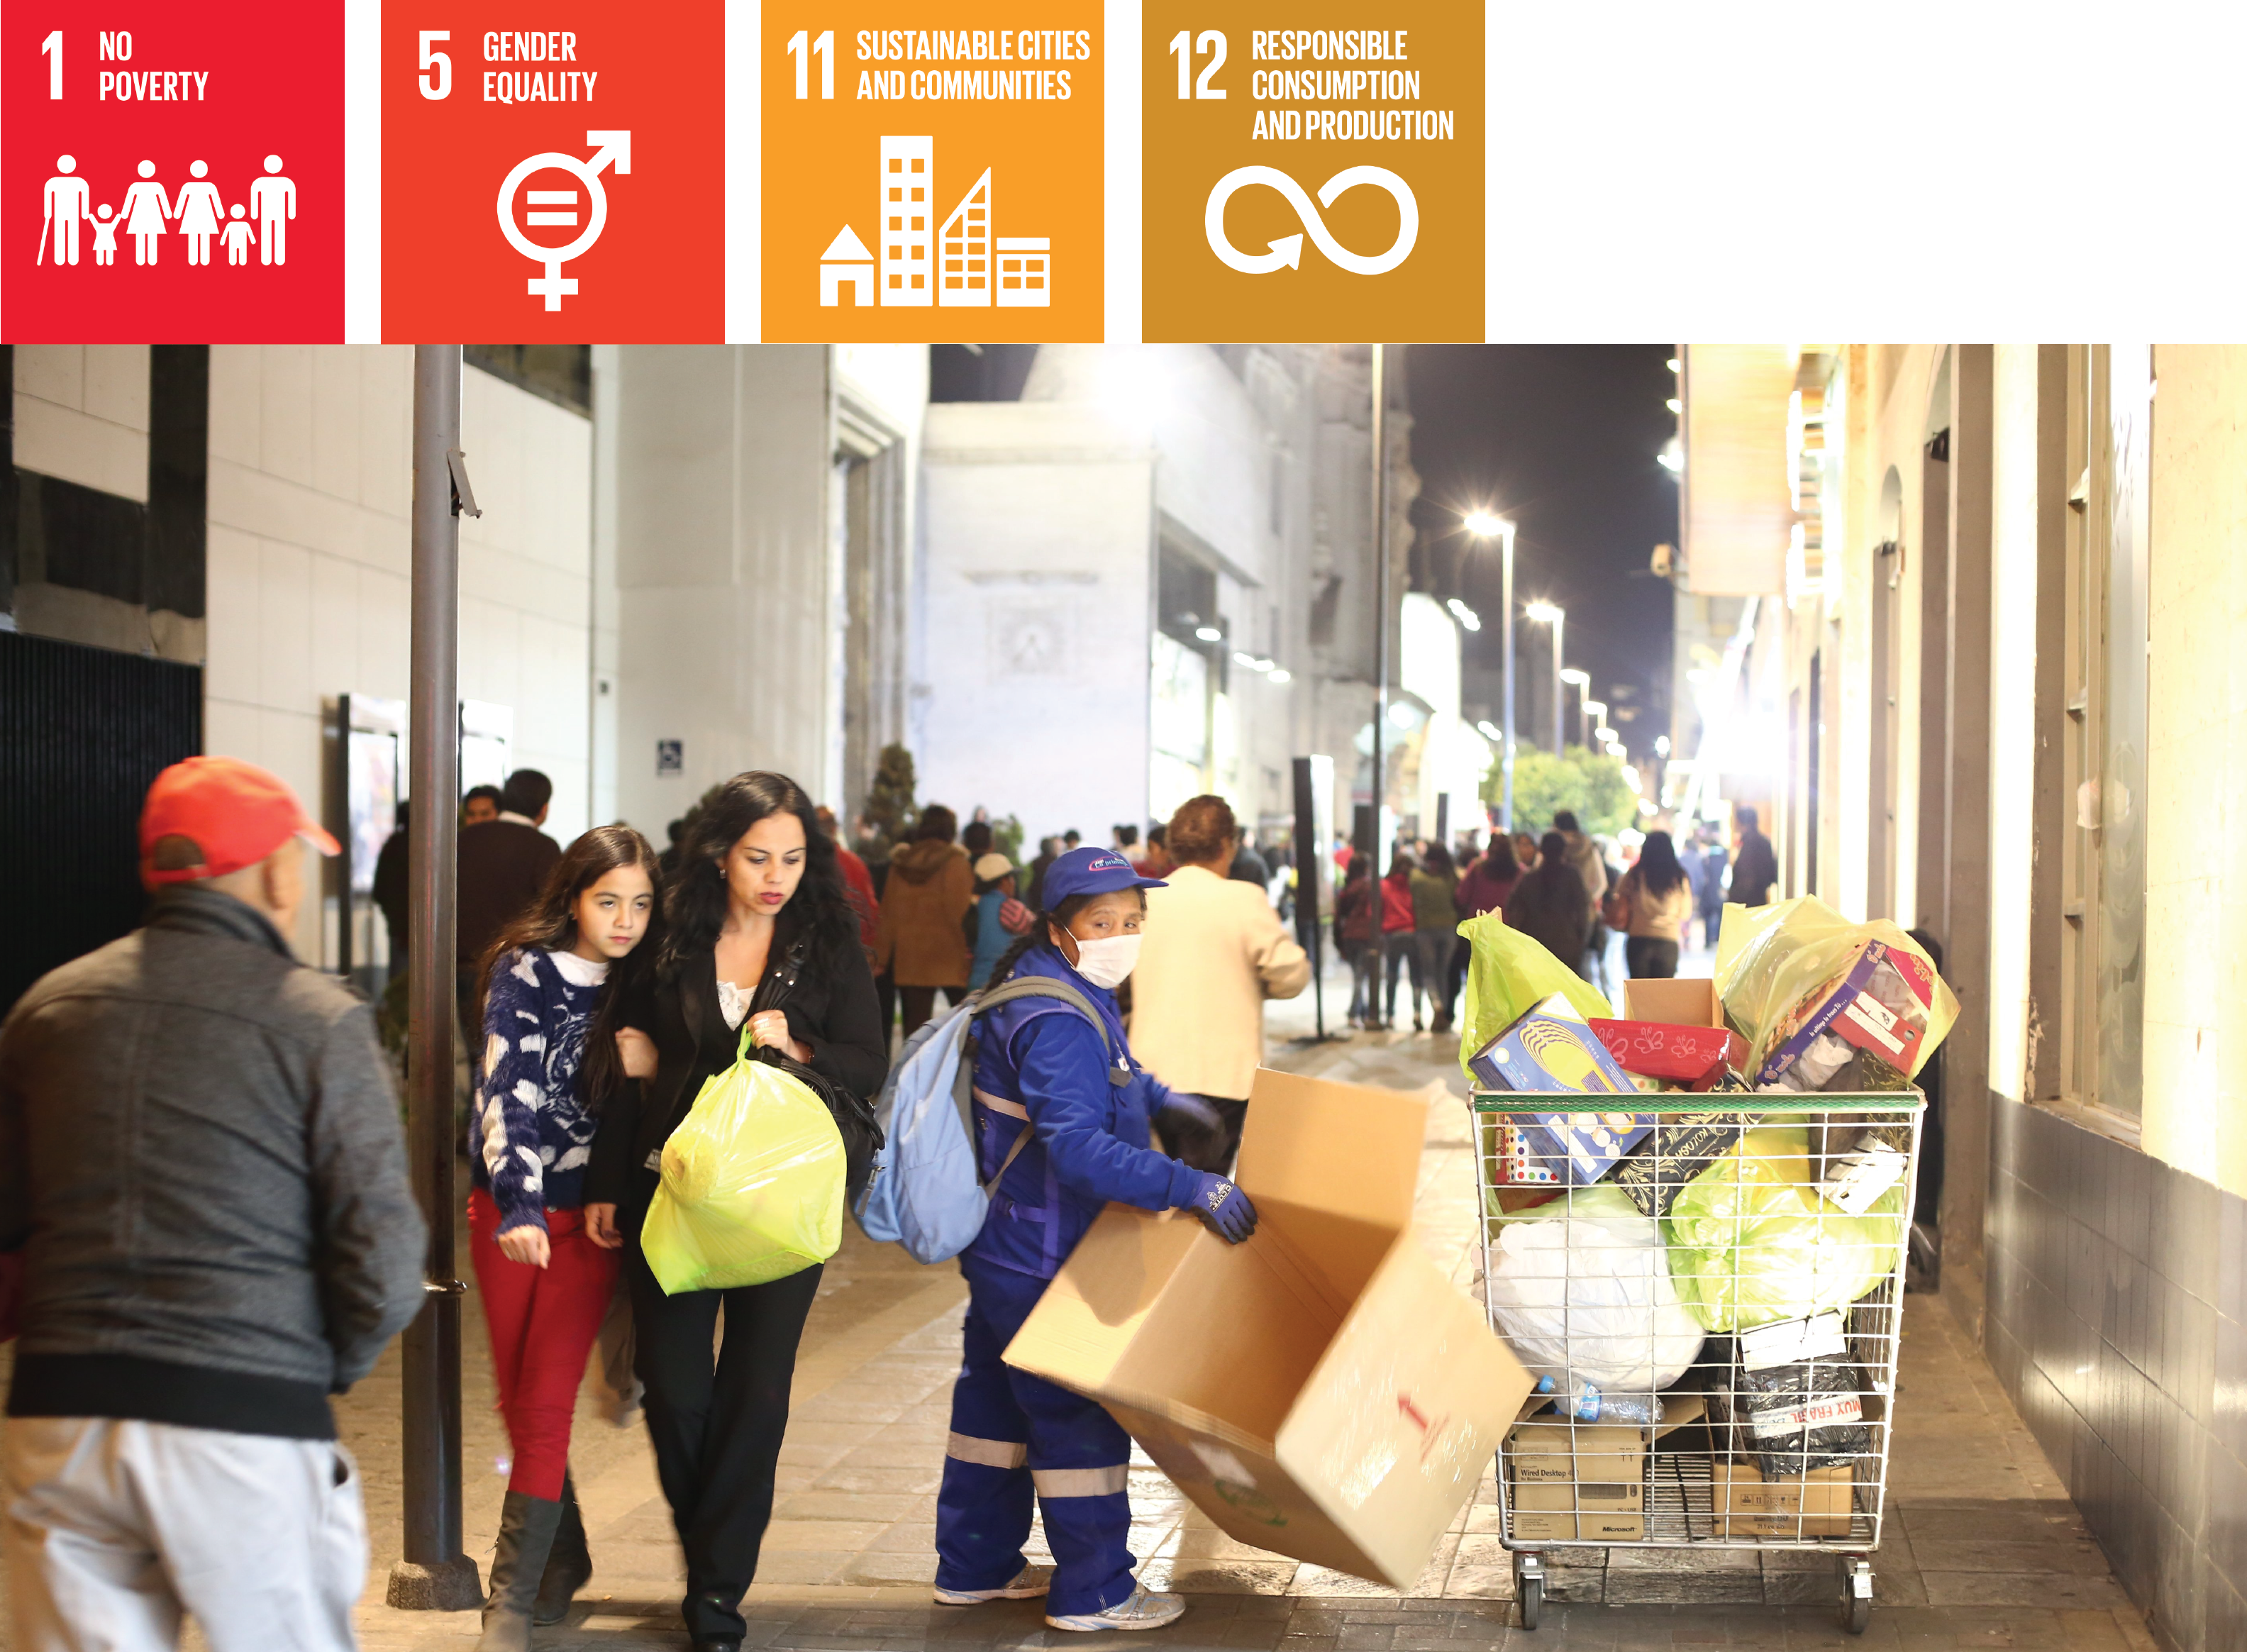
(1144, 1610)
(1033, 1581)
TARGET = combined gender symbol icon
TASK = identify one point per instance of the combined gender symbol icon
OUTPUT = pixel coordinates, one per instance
(585, 210)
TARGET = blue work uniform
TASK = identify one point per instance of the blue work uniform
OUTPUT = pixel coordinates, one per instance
(1015, 1436)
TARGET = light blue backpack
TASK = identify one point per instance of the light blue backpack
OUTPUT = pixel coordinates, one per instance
(925, 1193)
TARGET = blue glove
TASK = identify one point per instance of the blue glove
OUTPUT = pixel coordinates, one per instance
(1224, 1209)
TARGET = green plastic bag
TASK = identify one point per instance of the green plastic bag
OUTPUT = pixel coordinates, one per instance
(752, 1187)
(1508, 975)
(1752, 1241)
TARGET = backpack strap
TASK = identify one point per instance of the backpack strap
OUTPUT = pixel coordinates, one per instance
(1045, 987)
(1007, 992)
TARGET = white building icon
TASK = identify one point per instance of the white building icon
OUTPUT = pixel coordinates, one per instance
(967, 247)
(963, 265)
(846, 260)
(908, 169)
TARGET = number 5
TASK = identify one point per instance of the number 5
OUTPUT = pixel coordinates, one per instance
(436, 66)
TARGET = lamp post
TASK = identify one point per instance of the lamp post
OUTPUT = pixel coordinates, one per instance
(1557, 616)
(1582, 681)
(1483, 525)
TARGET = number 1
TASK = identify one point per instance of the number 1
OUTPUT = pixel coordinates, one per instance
(51, 47)
(825, 47)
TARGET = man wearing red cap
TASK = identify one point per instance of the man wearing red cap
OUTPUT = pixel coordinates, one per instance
(202, 1165)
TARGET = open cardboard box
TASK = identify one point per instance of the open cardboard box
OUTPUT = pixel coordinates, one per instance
(1323, 1391)
(1691, 1002)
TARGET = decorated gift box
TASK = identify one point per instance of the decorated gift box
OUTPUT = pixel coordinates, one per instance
(1660, 1050)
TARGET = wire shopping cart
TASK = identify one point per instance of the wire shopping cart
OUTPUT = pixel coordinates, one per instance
(1714, 1305)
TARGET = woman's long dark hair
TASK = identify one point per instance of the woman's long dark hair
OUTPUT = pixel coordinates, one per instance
(694, 905)
(1658, 871)
(1437, 863)
(550, 922)
(1500, 856)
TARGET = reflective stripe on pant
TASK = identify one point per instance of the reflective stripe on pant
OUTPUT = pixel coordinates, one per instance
(116, 1529)
(1014, 1437)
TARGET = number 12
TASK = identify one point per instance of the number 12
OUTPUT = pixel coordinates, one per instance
(1183, 45)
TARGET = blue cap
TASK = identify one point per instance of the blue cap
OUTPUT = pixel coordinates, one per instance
(1091, 871)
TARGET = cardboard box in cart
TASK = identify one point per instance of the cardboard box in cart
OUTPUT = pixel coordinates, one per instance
(1322, 1391)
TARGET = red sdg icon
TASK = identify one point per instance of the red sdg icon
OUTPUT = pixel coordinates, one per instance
(553, 207)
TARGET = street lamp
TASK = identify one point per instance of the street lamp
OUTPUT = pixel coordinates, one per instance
(1583, 682)
(1483, 524)
(1557, 616)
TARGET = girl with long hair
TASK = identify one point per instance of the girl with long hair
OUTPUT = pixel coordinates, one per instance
(546, 1282)
(1061, 1112)
(761, 930)
(1658, 899)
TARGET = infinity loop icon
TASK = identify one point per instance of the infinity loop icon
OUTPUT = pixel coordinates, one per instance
(1288, 250)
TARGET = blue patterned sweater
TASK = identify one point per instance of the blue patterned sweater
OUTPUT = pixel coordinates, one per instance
(533, 1130)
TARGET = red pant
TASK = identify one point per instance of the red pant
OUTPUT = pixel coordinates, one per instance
(543, 1323)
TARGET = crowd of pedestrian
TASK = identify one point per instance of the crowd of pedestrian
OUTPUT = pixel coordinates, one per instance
(207, 1231)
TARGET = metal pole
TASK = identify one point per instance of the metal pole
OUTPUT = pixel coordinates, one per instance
(1560, 688)
(1380, 596)
(434, 1574)
(1506, 802)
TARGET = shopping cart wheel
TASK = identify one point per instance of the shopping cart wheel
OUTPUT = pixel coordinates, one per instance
(1856, 1595)
(1529, 1588)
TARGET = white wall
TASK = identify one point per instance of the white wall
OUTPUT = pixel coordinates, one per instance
(1039, 533)
(727, 560)
(82, 415)
(309, 552)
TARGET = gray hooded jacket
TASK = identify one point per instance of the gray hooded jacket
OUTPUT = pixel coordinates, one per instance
(201, 1156)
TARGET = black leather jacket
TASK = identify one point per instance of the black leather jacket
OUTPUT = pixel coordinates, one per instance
(834, 1011)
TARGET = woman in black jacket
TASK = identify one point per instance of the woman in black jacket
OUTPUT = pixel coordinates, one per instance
(760, 928)
(1549, 904)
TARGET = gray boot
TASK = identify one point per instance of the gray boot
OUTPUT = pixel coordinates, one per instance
(526, 1535)
(568, 1563)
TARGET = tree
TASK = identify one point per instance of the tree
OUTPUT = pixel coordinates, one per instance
(1588, 782)
(889, 807)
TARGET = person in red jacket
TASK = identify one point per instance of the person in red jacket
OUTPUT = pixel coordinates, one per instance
(1354, 910)
(1397, 926)
(858, 881)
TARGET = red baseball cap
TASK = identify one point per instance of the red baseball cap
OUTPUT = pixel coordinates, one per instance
(236, 812)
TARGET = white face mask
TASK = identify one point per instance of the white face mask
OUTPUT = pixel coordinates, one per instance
(1108, 961)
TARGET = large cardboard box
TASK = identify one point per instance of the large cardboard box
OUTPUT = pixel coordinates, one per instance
(1813, 1504)
(1322, 1391)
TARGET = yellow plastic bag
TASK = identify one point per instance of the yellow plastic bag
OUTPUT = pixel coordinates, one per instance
(1752, 1241)
(1803, 985)
(1508, 975)
(752, 1187)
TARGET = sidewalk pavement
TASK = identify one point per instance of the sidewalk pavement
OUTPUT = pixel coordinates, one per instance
(1985, 1550)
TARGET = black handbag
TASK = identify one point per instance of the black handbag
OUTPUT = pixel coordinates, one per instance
(853, 1114)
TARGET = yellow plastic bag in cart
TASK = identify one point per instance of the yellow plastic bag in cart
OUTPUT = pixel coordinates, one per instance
(752, 1187)
(1508, 975)
(1752, 1241)
(1825, 1003)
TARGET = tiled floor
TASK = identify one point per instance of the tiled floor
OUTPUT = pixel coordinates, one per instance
(1985, 1550)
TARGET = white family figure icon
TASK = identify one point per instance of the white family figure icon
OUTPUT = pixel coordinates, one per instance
(198, 212)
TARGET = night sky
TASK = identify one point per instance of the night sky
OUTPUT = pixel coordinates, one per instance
(1561, 437)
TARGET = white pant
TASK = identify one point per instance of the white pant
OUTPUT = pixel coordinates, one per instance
(114, 1529)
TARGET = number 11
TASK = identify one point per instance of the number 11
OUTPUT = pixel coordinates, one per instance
(825, 47)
